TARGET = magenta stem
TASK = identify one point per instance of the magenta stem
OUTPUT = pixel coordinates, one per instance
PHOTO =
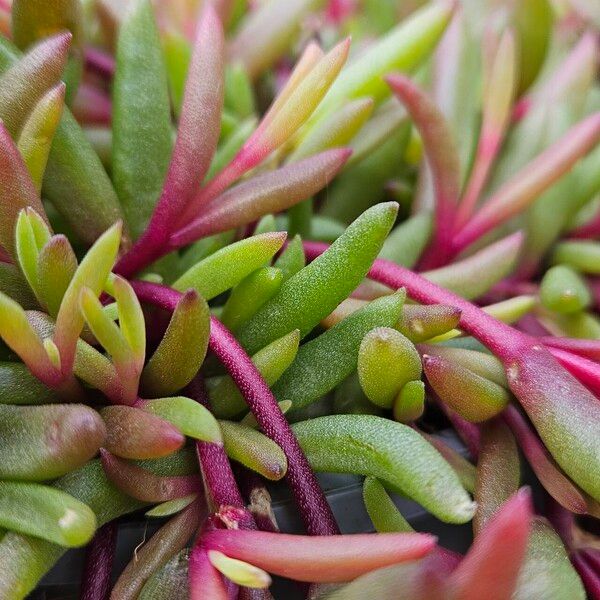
(582, 347)
(589, 576)
(220, 483)
(314, 509)
(99, 557)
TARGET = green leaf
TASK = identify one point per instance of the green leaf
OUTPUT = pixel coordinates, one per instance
(239, 95)
(19, 386)
(393, 453)
(131, 319)
(387, 361)
(191, 418)
(178, 53)
(271, 361)
(44, 442)
(16, 192)
(581, 255)
(382, 511)
(14, 285)
(181, 351)
(45, 512)
(142, 138)
(547, 571)
(402, 49)
(254, 450)
(32, 20)
(312, 293)
(249, 295)
(91, 273)
(171, 507)
(292, 259)
(563, 290)
(498, 471)
(326, 361)
(473, 276)
(409, 404)
(423, 322)
(25, 82)
(38, 131)
(227, 267)
(406, 243)
(473, 397)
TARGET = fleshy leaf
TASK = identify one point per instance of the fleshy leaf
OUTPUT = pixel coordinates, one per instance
(409, 404)
(581, 255)
(182, 349)
(273, 191)
(419, 323)
(498, 471)
(142, 138)
(386, 362)
(393, 453)
(24, 83)
(327, 360)
(238, 571)
(341, 557)
(139, 483)
(382, 510)
(44, 442)
(406, 242)
(249, 295)
(35, 139)
(227, 267)
(473, 397)
(91, 273)
(312, 293)
(188, 416)
(137, 434)
(254, 450)
(45, 512)
(564, 291)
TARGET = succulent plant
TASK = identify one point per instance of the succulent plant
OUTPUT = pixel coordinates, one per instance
(237, 248)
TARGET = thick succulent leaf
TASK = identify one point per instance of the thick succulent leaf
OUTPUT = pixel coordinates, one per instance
(292, 259)
(249, 295)
(476, 274)
(32, 20)
(383, 512)
(171, 507)
(326, 361)
(27, 559)
(312, 293)
(563, 290)
(24, 83)
(35, 139)
(267, 32)
(18, 191)
(386, 362)
(44, 442)
(14, 285)
(142, 138)
(137, 434)
(409, 404)
(340, 557)
(547, 571)
(91, 273)
(182, 349)
(498, 471)
(271, 362)
(402, 49)
(254, 450)
(406, 242)
(492, 565)
(423, 322)
(239, 571)
(335, 130)
(145, 486)
(19, 386)
(473, 397)
(20, 336)
(227, 267)
(393, 453)
(45, 512)
(534, 178)
(189, 417)
(581, 255)
(558, 485)
(271, 192)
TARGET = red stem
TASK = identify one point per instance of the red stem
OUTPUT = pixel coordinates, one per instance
(314, 509)
(99, 558)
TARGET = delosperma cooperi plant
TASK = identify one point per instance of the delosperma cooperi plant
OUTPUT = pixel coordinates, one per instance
(244, 243)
